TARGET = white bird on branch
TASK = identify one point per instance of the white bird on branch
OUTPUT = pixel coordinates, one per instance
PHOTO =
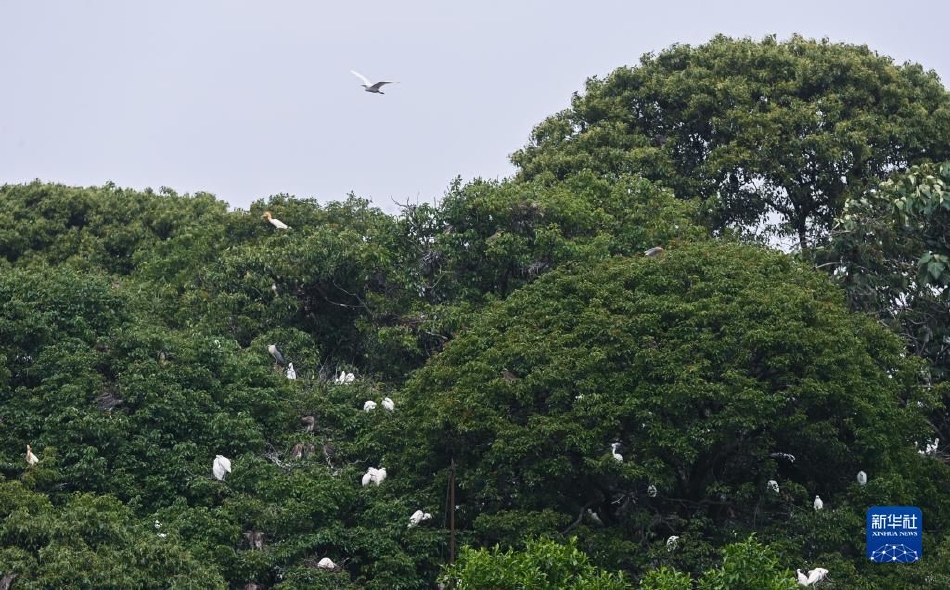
(417, 517)
(30, 457)
(389, 404)
(291, 374)
(613, 451)
(221, 467)
(274, 221)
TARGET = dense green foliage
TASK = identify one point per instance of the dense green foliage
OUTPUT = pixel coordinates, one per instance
(520, 331)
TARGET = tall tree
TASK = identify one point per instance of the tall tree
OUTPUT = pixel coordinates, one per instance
(759, 130)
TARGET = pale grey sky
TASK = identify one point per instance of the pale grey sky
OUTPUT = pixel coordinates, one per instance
(246, 99)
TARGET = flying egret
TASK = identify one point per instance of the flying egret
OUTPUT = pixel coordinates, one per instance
(613, 451)
(653, 252)
(417, 517)
(772, 485)
(272, 349)
(862, 477)
(275, 222)
(221, 467)
(369, 406)
(818, 503)
(291, 373)
(651, 491)
(671, 543)
(816, 575)
(30, 457)
(369, 86)
(326, 563)
(389, 404)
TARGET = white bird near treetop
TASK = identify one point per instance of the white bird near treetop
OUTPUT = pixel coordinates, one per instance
(369, 86)
(274, 221)
(862, 477)
(326, 563)
(389, 404)
(671, 543)
(816, 575)
(417, 517)
(651, 491)
(369, 406)
(613, 451)
(802, 578)
(291, 374)
(818, 503)
(272, 349)
(30, 457)
(374, 475)
(221, 467)
(345, 378)
(772, 485)
(653, 252)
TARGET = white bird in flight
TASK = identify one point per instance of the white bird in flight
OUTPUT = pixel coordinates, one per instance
(274, 221)
(30, 457)
(221, 467)
(389, 404)
(369, 406)
(818, 503)
(291, 374)
(369, 86)
(862, 477)
(613, 451)
(417, 517)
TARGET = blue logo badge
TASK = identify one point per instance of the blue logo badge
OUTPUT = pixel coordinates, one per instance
(894, 534)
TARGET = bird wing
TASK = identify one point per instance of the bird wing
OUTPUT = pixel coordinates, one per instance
(379, 85)
(362, 77)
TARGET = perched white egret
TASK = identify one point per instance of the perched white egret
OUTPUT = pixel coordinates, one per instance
(369, 476)
(369, 405)
(274, 221)
(389, 404)
(802, 578)
(417, 517)
(772, 485)
(221, 467)
(369, 86)
(30, 457)
(326, 563)
(291, 373)
(931, 448)
(613, 451)
(651, 491)
(816, 575)
(671, 543)
(272, 349)
(862, 478)
(595, 518)
(380, 475)
(653, 252)
(818, 503)
(345, 378)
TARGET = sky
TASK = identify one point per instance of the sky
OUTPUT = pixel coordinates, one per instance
(247, 99)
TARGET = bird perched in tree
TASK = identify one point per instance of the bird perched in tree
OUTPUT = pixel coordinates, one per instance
(291, 373)
(509, 376)
(613, 451)
(389, 404)
(651, 491)
(274, 221)
(221, 467)
(308, 423)
(816, 575)
(417, 517)
(326, 563)
(862, 477)
(297, 451)
(653, 252)
(272, 349)
(802, 578)
(369, 405)
(772, 485)
(345, 378)
(594, 517)
(818, 503)
(671, 543)
(255, 540)
(30, 457)
(369, 86)
(374, 475)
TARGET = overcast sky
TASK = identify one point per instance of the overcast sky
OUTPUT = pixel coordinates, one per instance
(245, 99)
